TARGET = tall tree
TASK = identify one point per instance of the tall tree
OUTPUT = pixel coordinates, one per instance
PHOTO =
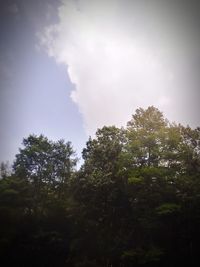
(100, 190)
(145, 132)
(47, 165)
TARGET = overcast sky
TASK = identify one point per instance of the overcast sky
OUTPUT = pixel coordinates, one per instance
(68, 67)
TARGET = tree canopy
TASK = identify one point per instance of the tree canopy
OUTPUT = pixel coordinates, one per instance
(135, 201)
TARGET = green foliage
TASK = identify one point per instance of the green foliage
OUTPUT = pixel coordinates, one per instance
(42, 161)
(135, 180)
(167, 208)
(134, 202)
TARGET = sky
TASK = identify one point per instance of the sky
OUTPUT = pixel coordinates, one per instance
(68, 67)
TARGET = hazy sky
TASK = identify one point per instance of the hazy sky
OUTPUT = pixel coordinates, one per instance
(68, 67)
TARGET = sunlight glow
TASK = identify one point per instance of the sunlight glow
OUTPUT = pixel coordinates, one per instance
(114, 71)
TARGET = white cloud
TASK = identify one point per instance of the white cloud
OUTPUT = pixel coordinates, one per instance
(111, 61)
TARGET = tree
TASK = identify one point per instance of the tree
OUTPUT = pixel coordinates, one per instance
(35, 203)
(100, 190)
(43, 161)
(164, 185)
(146, 132)
(135, 201)
(47, 165)
(105, 151)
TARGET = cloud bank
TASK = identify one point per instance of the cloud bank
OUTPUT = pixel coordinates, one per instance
(118, 56)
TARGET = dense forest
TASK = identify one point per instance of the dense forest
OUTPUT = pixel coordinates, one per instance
(135, 201)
